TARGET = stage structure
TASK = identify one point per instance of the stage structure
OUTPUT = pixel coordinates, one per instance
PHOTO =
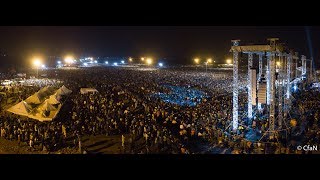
(280, 74)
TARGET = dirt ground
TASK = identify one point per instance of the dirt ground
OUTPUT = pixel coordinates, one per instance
(12, 147)
(91, 144)
(102, 144)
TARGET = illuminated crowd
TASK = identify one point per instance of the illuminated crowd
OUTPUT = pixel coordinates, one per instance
(125, 105)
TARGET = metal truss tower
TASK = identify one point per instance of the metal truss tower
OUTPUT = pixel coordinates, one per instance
(304, 65)
(235, 87)
(280, 90)
(288, 85)
(250, 58)
(260, 65)
(268, 78)
(272, 93)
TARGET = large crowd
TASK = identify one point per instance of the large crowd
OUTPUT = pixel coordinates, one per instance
(125, 105)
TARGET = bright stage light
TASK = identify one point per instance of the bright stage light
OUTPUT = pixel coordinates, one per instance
(85, 64)
(106, 62)
(122, 62)
(149, 61)
(229, 61)
(37, 62)
(59, 62)
(116, 64)
(160, 64)
(69, 59)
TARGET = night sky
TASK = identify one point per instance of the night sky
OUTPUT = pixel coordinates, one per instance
(176, 42)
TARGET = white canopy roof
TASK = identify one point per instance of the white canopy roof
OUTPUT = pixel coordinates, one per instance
(34, 99)
(44, 101)
(46, 91)
(46, 106)
(63, 91)
(53, 99)
(22, 108)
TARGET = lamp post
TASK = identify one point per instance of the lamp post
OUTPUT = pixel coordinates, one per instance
(196, 60)
(206, 66)
(208, 61)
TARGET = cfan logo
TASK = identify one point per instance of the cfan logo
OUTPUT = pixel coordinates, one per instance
(308, 148)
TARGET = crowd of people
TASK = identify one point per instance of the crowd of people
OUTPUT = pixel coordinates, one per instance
(125, 105)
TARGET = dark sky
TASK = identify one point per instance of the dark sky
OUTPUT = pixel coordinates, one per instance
(157, 41)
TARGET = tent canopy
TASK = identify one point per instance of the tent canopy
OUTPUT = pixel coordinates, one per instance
(22, 108)
(63, 91)
(43, 102)
(46, 91)
(35, 99)
(53, 99)
(88, 90)
(46, 106)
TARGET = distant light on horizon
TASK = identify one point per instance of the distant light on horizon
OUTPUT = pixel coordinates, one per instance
(122, 62)
(106, 62)
(116, 64)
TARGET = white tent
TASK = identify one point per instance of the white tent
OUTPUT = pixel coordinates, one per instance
(63, 91)
(46, 91)
(22, 108)
(53, 99)
(66, 90)
(46, 106)
(57, 96)
(34, 99)
(87, 90)
(59, 92)
(40, 114)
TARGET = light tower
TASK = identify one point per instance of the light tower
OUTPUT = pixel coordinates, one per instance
(235, 87)
(272, 81)
(260, 65)
(250, 58)
(304, 65)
